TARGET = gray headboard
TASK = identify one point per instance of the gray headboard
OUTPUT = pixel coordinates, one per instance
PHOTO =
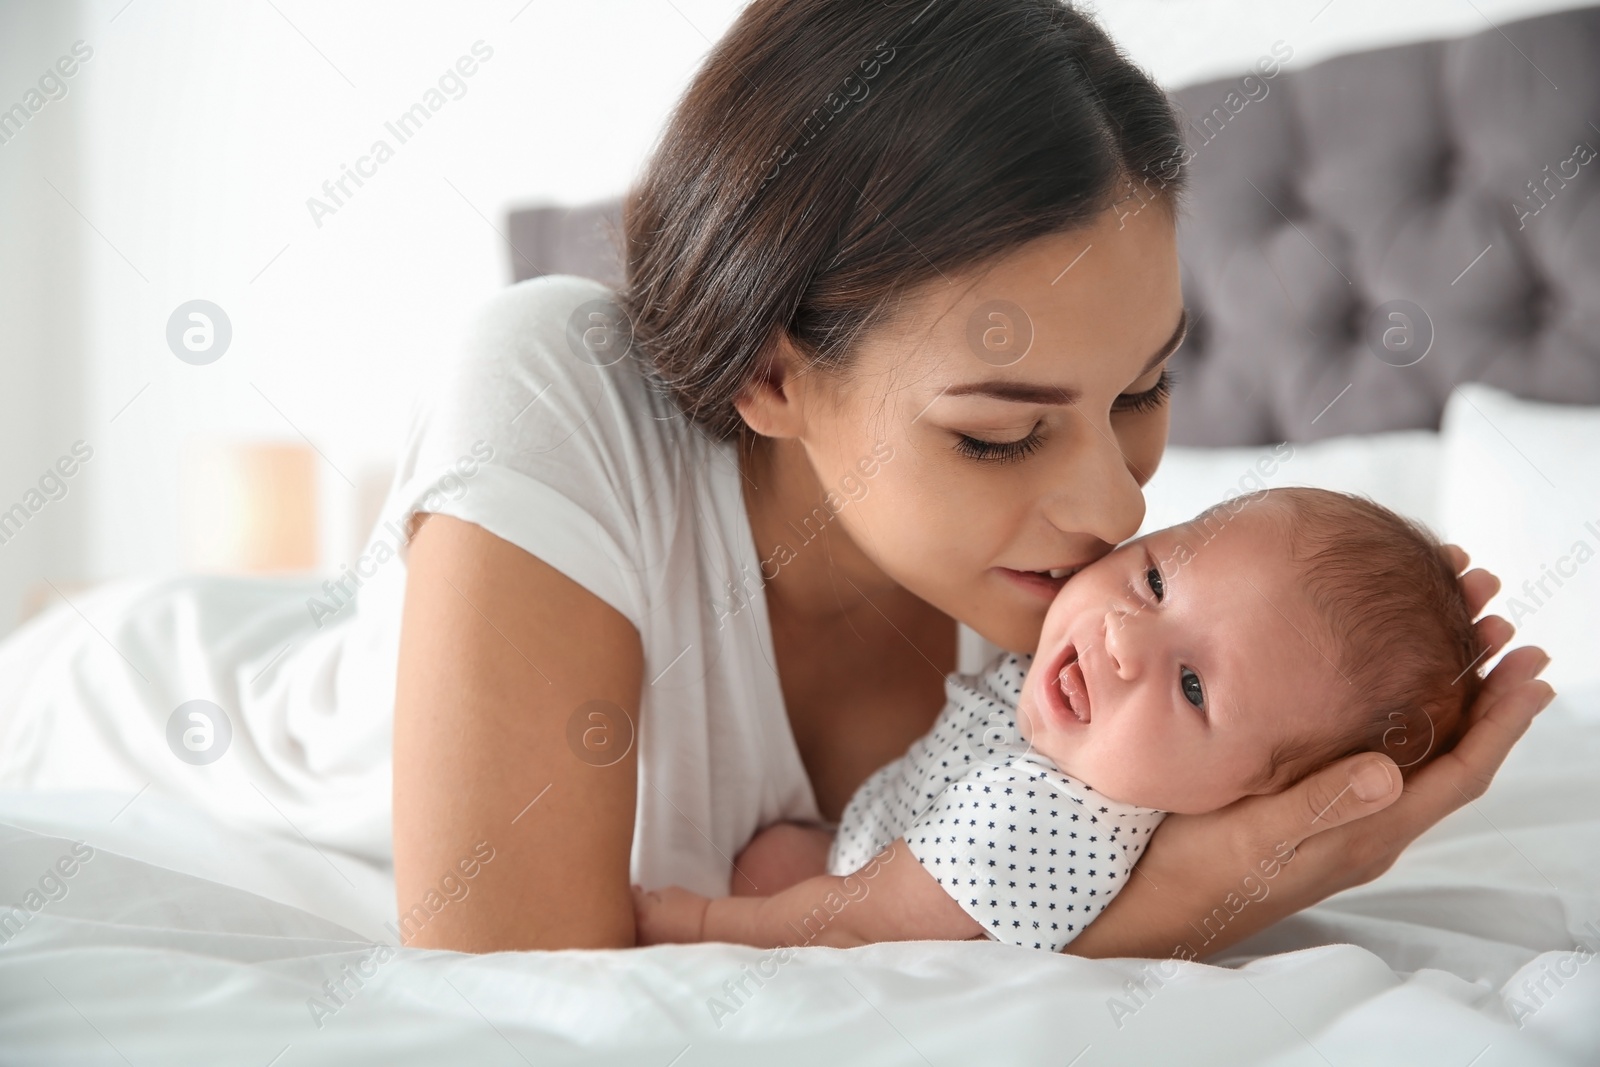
(1362, 235)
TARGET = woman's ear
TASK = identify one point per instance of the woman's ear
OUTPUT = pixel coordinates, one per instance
(771, 403)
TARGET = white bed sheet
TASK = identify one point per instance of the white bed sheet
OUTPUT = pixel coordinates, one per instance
(207, 920)
(182, 941)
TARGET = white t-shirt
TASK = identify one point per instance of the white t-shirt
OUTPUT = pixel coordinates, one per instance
(582, 465)
(603, 478)
(1030, 852)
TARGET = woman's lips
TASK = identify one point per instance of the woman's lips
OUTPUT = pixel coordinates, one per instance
(1040, 582)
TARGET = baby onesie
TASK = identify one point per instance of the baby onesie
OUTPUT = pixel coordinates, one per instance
(1030, 852)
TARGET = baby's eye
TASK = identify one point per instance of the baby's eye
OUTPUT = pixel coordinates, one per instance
(1189, 682)
(1152, 577)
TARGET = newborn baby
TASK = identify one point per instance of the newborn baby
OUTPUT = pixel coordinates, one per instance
(1227, 656)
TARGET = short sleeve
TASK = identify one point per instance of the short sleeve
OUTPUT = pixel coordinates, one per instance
(1030, 865)
(542, 441)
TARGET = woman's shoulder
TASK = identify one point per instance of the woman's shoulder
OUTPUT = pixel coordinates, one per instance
(545, 430)
(548, 372)
(529, 308)
(566, 332)
(532, 296)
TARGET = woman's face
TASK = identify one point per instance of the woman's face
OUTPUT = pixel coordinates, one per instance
(1025, 409)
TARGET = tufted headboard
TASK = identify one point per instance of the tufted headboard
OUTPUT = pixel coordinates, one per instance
(1360, 236)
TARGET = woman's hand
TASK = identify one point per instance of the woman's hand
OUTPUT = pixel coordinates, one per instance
(1207, 881)
(670, 915)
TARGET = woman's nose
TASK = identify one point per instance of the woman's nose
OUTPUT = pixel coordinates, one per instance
(1102, 496)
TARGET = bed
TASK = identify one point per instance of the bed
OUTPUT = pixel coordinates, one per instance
(147, 928)
(184, 937)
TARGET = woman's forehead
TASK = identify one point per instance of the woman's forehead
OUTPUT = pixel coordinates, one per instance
(1065, 303)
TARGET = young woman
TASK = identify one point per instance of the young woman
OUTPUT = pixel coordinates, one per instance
(902, 284)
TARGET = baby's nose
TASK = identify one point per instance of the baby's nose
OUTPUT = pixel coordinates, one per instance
(1116, 639)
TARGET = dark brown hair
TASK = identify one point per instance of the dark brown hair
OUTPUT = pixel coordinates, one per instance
(832, 154)
(1395, 624)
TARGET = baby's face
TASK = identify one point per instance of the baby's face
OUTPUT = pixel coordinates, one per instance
(1168, 671)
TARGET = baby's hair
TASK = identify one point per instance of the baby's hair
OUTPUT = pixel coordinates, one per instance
(1394, 622)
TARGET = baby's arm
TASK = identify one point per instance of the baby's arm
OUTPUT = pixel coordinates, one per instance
(778, 857)
(892, 898)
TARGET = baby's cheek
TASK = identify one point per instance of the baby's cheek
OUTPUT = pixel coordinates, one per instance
(1128, 766)
(1076, 757)
(1024, 719)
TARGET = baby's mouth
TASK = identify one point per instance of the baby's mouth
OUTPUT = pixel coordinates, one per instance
(1073, 686)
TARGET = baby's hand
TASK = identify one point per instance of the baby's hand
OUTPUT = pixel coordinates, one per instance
(669, 915)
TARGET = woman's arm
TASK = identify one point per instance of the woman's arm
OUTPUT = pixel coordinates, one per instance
(892, 898)
(1206, 882)
(498, 650)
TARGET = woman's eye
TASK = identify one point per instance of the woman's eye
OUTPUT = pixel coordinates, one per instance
(1148, 400)
(1189, 682)
(1158, 587)
(998, 451)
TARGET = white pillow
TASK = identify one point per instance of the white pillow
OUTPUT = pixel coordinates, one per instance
(1399, 470)
(1520, 491)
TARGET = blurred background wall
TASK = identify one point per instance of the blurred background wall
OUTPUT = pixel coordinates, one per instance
(195, 153)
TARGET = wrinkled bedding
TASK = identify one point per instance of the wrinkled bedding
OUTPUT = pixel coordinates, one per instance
(179, 940)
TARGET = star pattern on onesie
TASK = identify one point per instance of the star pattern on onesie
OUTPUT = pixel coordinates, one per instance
(1031, 853)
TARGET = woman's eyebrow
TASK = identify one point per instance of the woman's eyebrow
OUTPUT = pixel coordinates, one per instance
(1021, 392)
(1031, 393)
(1171, 344)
